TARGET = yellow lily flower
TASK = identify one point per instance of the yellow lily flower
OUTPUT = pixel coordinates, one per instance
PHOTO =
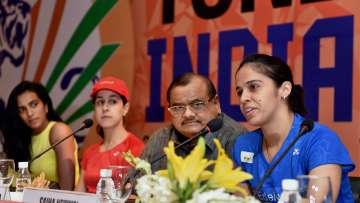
(189, 169)
(224, 176)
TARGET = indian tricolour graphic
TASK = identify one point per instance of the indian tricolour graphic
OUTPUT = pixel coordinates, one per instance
(58, 43)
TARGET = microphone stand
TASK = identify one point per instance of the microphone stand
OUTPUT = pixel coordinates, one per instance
(57, 143)
(204, 131)
(212, 126)
(306, 126)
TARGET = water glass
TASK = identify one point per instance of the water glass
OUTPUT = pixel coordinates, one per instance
(119, 175)
(315, 189)
(7, 172)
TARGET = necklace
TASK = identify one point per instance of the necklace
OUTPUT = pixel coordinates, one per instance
(267, 153)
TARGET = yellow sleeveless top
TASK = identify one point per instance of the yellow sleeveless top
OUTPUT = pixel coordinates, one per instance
(47, 162)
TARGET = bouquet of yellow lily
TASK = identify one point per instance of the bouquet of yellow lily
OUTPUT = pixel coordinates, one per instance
(188, 180)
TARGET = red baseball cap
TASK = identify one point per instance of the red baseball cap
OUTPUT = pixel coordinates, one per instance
(113, 84)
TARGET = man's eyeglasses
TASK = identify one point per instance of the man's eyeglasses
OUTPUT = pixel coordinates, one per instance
(195, 106)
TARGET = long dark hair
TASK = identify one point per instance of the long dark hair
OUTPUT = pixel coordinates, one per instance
(17, 133)
(279, 72)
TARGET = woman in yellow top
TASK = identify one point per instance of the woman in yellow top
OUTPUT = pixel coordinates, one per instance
(32, 125)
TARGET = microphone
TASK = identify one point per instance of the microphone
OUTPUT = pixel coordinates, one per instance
(87, 123)
(306, 126)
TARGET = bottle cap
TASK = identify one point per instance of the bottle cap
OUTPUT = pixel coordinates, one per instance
(105, 173)
(290, 184)
(23, 164)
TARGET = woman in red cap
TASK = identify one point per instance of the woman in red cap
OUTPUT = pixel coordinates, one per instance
(111, 103)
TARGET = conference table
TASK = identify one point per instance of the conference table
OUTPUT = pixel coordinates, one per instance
(17, 197)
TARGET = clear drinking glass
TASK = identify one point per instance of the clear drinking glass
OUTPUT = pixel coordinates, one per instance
(315, 189)
(119, 175)
(7, 172)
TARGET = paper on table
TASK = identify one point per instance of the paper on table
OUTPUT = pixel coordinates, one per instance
(16, 196)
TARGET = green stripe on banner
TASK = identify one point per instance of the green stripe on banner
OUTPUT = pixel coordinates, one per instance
(84, 109)
(92, 68)
(91, 19)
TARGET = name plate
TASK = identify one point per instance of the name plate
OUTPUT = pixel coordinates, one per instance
(41, 195)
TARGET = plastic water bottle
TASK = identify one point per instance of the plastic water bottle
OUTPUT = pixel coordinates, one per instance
(105, 188)
(290, 191)
(24, 177)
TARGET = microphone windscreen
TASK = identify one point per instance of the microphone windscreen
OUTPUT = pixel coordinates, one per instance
(307, 125)
(215, 124)
(88, 123)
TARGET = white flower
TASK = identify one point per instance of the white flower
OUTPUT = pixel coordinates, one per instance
(205, 197)
(219, 196)
(154, 189)
(142, 164)
(137, 162)
(188, 177)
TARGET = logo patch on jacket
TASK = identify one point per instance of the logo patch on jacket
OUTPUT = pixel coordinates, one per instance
(246, 157)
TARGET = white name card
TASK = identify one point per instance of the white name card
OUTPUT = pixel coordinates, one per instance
(40, 195)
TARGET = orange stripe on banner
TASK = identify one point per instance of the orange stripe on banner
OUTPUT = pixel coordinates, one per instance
(34, 16)
(53, 29)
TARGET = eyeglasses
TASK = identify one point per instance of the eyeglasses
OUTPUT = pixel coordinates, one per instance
(195, 106)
